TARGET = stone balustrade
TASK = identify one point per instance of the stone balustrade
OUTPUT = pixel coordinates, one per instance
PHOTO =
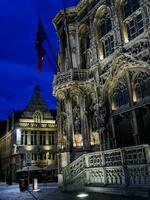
(71, 75)
(129, 166)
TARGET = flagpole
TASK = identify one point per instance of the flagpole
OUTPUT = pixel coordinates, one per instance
(54, 70)
(49, 46)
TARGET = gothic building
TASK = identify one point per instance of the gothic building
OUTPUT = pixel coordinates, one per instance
(103, 82)
(28, 138)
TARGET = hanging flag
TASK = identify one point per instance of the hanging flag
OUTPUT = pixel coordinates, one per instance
(40, 38)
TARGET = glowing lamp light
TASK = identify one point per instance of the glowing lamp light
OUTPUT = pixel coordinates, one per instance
(126, 39)
(18, 130)
(18, 136)
(134, 97)
(113, 106)
(82, 195)
(101, 54)
(29, 148)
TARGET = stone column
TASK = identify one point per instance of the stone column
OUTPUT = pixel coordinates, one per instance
(116, 27)
(47, 137)
(69, 124)
(134, 120)
(77, 46)
(37, 133)
(84, 124)
(112, 125)
(73, 47)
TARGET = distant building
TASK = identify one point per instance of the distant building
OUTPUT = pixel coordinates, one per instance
(29, 138)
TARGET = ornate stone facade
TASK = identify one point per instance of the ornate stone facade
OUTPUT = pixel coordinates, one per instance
(103, 91)
(103, 84)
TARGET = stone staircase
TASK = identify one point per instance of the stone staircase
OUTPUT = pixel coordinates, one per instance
(117, 171)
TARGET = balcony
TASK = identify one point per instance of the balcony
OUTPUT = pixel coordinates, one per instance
(71, 75)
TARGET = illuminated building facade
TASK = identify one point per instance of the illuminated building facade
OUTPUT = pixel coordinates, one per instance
(103, 91)
(32, 134)
(103, 83)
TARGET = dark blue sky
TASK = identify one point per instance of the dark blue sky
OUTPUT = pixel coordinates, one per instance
(18, 57)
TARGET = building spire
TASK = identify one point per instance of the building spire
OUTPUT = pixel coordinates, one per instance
(37, 90)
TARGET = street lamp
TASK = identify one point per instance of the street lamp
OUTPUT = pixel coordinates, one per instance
(18, 136)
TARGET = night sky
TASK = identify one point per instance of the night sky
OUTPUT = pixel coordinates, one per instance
(18, 57)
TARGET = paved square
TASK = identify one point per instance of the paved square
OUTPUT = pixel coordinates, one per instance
(51, 192)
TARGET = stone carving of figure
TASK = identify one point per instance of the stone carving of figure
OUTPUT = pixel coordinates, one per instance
(77, 125)
(77, 120)
(64, 124)
(95, 117)
(98, 116)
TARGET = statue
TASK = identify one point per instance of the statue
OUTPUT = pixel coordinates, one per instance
(64, 124)
(77, 125)
(77, 120)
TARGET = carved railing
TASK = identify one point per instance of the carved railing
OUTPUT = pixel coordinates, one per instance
(129, 166)
(71, 75)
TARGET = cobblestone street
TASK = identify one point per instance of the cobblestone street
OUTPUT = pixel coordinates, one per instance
(51, 192)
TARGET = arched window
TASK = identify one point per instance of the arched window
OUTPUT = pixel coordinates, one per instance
(104, 33)
(84, 41)
(141, 86)
(37, 117)
(107, 42)
(105, 26)
(131, 19)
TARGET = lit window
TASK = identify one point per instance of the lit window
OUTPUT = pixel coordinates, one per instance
(106, 40)
(108, 46)
(105, 27)
(135, 27)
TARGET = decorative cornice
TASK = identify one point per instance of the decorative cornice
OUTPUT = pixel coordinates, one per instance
(75, 10)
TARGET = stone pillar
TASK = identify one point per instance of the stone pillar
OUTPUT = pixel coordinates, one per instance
(113, 132)
(77, 46)
(134, 120)
(47, 137)
(69, 124)
(59, 122)
(37, 133)
(112, 125)
(84, 124)
(116, 27)
(73, 47)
